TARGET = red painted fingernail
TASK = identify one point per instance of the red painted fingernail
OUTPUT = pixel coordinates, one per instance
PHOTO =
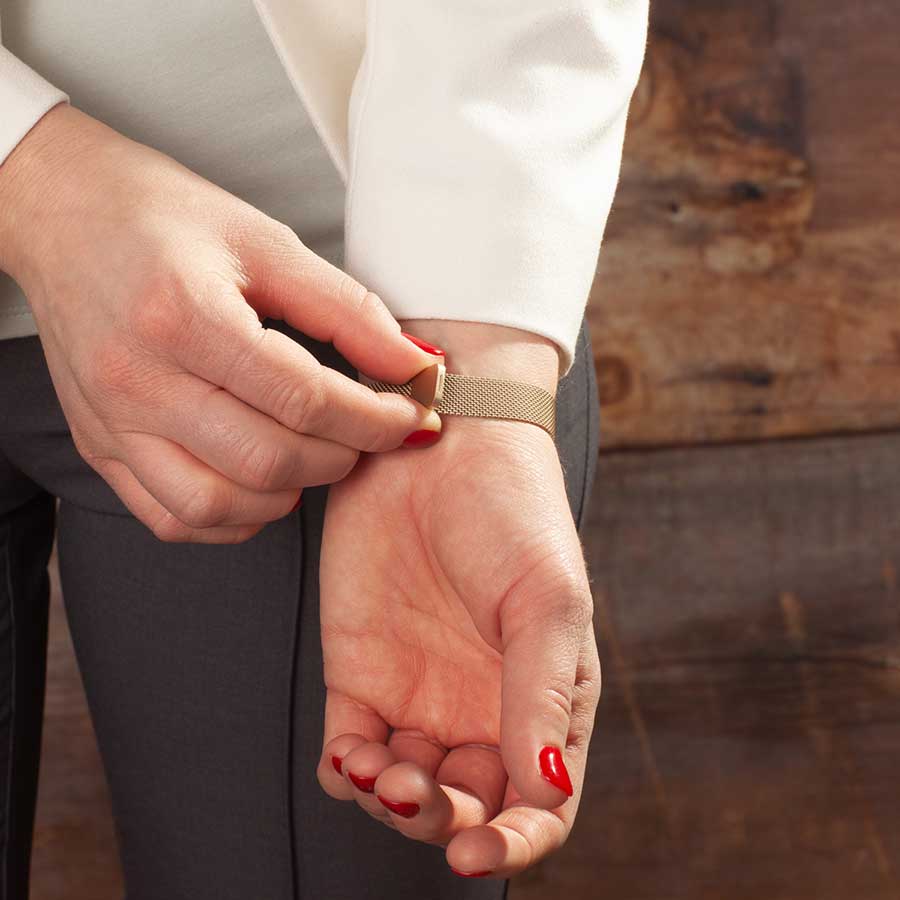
(407, 810)
(424, 345)
(336, 761)
(554, 769)
(298, 504)
(470, 874)
(421, 438)
(363, 782)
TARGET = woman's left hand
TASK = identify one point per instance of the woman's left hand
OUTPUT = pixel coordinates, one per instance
(457, 630)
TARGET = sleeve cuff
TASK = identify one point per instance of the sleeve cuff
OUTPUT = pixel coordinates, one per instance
(480, 190)
(24, 98)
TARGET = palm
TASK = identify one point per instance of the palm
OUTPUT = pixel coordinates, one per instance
(414, 565)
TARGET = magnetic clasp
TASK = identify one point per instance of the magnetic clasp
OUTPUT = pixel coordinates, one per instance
(427, 387)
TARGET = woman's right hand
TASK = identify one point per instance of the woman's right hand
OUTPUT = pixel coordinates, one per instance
(149, 285)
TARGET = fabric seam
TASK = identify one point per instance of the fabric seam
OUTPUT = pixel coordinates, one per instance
(291, 711)
(587, 418)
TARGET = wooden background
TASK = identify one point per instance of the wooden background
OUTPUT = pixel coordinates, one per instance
(744, 538)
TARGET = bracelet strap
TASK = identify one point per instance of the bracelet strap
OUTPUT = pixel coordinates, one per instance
(488, 398)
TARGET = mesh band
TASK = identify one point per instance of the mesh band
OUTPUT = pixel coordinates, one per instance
(490, 398)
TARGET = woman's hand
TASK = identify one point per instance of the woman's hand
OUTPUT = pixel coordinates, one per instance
(149, 285)
(456, 629)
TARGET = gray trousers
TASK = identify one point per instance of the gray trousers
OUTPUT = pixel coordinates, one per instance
(203, 672)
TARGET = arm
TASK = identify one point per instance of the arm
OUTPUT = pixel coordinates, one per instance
(24, 98)
(485, 141)
(460, 657)
(149, 286)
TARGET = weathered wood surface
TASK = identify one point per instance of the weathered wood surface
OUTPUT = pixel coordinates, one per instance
(749, 284)
(748, 740)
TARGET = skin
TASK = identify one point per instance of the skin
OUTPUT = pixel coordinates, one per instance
(148, 285)
(462, 644)
(457, 636)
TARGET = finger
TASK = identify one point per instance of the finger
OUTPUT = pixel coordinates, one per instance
(348, 724)
(248, 447)
(158, 519)
(468, 792)
(193, 492)
(288, 281)
(361, 767)
(522, 834)
(224, 344)
(516, 839)
(417, 747)
(543, 635)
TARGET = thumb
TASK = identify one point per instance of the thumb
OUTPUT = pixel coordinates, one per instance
(287, 281)
(542, 643)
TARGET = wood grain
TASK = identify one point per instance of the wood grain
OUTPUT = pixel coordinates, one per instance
(748, 284)
(749, 622)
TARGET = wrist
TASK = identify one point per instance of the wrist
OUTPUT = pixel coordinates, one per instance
(31, 189)
(491, 351)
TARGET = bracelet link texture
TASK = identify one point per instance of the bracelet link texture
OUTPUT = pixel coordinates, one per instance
(489, 398)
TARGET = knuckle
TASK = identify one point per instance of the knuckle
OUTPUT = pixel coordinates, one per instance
(568, 601)
(263, 467)
(559, 699)
(303, 407)
(158, 320)
(204, 508)
(365, 305)
(115, 371)
(285, 237)
(379, 437)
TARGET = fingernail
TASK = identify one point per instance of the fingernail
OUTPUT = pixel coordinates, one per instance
(423, 345)
(554, 769)
(470, 874)
(421, 438)
(294, 508)
(407, 810)
(364, 782)
(336, 761)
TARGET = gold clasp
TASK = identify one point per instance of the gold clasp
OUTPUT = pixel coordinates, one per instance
(427, 387)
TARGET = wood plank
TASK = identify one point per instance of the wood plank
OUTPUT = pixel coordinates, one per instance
(747, 741)
(748, 282)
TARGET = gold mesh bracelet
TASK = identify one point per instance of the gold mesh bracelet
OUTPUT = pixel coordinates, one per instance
(450, 393)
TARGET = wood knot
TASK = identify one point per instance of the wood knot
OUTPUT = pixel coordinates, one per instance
(614, 379)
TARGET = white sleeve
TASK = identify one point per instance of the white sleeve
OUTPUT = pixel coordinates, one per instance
(485, 146)
(24, 98)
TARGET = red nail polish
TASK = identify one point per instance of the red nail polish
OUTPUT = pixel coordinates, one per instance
(470, 874)
(424, 345)
(554, 769)
(407, 810)
(336, 761)
(421, 438)
(364, 783)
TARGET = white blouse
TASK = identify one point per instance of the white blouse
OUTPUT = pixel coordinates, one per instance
(480, 140)
(201, 82)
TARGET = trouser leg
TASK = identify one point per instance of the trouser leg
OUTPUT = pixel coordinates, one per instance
(26, 539)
